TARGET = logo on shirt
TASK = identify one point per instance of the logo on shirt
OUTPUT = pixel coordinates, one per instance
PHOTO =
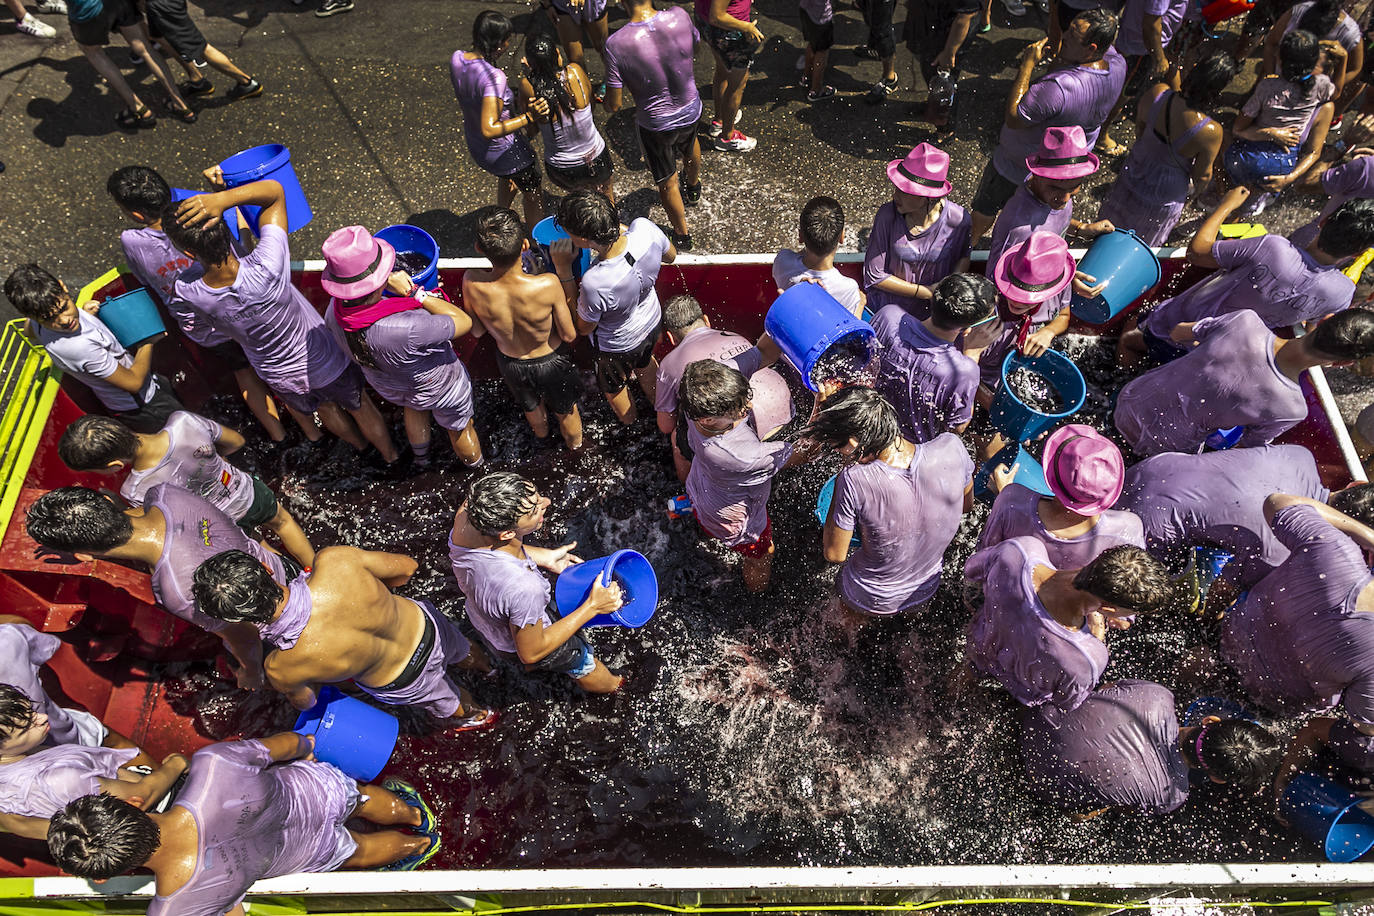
(205, 531)
(224, 478)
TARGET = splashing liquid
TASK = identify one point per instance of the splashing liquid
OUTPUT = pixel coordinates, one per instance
(850, 361)
(1034, 390)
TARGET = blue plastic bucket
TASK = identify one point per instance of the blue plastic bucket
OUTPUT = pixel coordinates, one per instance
(132, 317)
(405, 238)
(823, 501)
(1223, 439)
(231, 216)
(1016, 419)
(545, 233)
(263, 162)
(354, 736)
(1129, 268)
(805, 321)
(1025, 470)
(1329, 815)
(637, 581)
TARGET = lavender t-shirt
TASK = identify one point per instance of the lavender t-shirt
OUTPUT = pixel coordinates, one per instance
(416, 365)
(1022, 215)
(1297, 640)
(1276, 102)
(282, 335)
(906, 518)
(1346, 33)
(702, 343)
(22, 651)
(618, 293)
(158, 264)
(474, 81)
(1013, 638)
(1217, 498)
(1130, 36)
(653, 59)
(92, 354)
(1016, 513)
(1351, 180)
(1229, 379)
(929, 381)
(502, 591)
(193, 463)
(925, 258)
(789, 269)
(42, 783)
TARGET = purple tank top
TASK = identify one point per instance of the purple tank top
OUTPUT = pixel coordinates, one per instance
(572, 140)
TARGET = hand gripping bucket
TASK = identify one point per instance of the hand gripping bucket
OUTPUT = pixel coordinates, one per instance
(806, 321)
(823, 501)
(412, 238)
(354, 736)
(1329, 815)
(1129, 268)
(1017, 420)
(628, 567)
(132, 317)
(545, 233)
(1025, 470)
(270, 161)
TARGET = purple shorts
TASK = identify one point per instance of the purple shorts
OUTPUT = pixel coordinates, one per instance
(346, 391)
(424, 682)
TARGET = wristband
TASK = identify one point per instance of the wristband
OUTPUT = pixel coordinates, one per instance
(417, 293)
(567, 279)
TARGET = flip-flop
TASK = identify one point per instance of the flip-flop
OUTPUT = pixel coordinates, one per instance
(415, 859)
(411, 796)
(475, 722)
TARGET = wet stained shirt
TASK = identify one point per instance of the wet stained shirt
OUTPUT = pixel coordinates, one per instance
(929, 381)
(42, 783)
(193, 463)
(1016, 513)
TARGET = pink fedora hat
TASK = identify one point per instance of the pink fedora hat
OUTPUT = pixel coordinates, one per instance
(355, 263)
(1064, 154)
(924, 172)
(1084, 469)
(1035, 270)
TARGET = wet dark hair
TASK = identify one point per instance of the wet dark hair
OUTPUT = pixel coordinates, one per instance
(34, 292)
(1345, 335)
(1356, 501)
(1208, 78)
(712, 389)
(822, 225)
(92, 442)
(210, 245)
(1321, 18)
(1349, 230)
(78, 519)
(1299, 54)
(495, 502)
(1237, 752)
(235, 587)
(590, 215)
(541, 59)
(857, 413)
(16, 711)
(100, 836)
(962, 300)
(490, 30)
(1101, 29)
(1127, 578)
(681, 312)
(500, 235)
(137, 187)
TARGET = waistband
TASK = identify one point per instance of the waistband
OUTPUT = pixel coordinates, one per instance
(532, 360)
(418, 658)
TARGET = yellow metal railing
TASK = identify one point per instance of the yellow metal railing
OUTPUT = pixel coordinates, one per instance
(28, 385)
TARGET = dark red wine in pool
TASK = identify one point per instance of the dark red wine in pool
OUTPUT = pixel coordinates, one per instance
(1034, 390)
(412, 262)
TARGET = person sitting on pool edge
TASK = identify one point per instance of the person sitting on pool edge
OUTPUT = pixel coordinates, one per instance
(508, 599)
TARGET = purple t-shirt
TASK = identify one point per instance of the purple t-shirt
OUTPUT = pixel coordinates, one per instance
(1346, 33)
(1079, 95)
(415, 364)
(789, 269)
(42, 783)
(255, 820)
(618, 293)
(1119, 749)
(702, 343)
(1297, 640)
(1217, 498)
(473, 81)
(892, 571)
(92, 354)
(22, 651)
(502, 591)
(1022, 215)
(282, 335)
(1269, 275)
(1013, 638)
(653, 59)
(1015, 513)
(929, 381)
(196, 531)
(1229, 379)
(158, 265)
(1130, 36)
(1353, 179)
(1276, 102)
(925, 258)
(192, 463)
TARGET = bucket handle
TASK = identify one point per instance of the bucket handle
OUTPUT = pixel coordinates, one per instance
(609, 568)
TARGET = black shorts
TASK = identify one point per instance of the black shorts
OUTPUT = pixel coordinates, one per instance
(665, 150)
(613, 369)
(550, 379)
(231, 354)
(590, 175)
(994, 190)
(153, 415)
(114, 14)
(527, 179)
(168, 19)
(882, 37)
(820, 36)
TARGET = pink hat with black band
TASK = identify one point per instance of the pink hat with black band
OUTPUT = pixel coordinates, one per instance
(1064, 155)
(1034, 270)
(1084, 469)
(924, 172)
(356, 263)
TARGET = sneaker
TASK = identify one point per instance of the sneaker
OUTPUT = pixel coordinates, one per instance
(197, 88)
(824, 92)
(867, 53)
(330, 7)
(32, 25)
(881, 90)
(691, 193)
(716, 128)
(737, 142)
(485, 718)
(249, 90)
(415, 859)
(408, 794)
(53, 6)
(1014, 7)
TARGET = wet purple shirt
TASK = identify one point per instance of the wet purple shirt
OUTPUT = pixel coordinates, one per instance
(502, 591)
(1013, 638)
(1015, 513)
(473, 81)
(1354, 179)
(42, 783)
(416, 365)
(255, 820)
(1297, 640)
(1346, 33)
(905, 519)
(789, 269)
(92, 354)
(702, 343)
(192, 463)
(158, 265)
(1022, 215)
(929, 381)
(1119, 749)
(653, 59)
(22, 651)
(618, 293)
(1130, 36)
(925, 258)
(1218, 498)
(1229, 379)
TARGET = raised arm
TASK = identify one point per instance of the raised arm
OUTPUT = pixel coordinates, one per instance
(1360, 533)
(1200, 248)
(268, 194)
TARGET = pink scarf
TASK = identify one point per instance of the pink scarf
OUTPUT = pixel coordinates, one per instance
(361, 317)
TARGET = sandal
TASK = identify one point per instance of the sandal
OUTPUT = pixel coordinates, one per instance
(142, 116)
(185, 115)
(475, 722)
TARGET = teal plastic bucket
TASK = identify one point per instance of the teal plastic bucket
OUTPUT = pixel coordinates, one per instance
(231, 216)
(354, 736)
(260, 163)
(405, 238)
(545, 233)
(1025, 470)
(1019, 421)
(1329, 815)
(1127, 265)
(637, 581)
(806, 321)
(823, 501)
(132, 317)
